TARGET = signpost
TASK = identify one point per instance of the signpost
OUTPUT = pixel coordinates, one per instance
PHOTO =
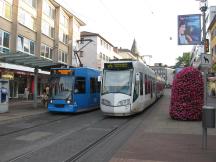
(208, 113)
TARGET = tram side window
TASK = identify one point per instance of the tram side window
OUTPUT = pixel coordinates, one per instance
(98, 86)
(146, 85)
(93, 85)
(136, 91)
(80, 85)
(141, 83)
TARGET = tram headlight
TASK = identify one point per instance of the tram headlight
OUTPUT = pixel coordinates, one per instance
(51, 101)
(123, 102)
(68, 101)
(106, 102)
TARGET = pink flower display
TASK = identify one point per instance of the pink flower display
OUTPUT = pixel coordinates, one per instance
(187, 95)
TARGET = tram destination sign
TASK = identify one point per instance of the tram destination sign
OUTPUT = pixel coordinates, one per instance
(62, 72)
(118, 66)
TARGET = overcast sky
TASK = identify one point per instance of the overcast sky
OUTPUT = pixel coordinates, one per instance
(153, 23)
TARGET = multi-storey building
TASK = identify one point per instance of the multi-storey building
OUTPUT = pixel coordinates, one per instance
(41, 28)
(164, 72)
(126, 54)
(97, 52)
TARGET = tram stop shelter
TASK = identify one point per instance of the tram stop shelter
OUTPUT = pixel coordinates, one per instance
(31, 61)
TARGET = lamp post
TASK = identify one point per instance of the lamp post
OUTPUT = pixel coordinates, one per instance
(203, 8)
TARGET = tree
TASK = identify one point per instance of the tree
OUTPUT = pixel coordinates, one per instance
(183, 60)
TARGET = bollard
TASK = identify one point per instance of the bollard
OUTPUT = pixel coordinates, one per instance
(208, 117)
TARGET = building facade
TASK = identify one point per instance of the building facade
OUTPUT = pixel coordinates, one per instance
(41, 28)
(212, 32)
(164, 72)
(126, 54)
(96, 53)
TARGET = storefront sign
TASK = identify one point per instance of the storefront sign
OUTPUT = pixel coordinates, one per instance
(8, 75)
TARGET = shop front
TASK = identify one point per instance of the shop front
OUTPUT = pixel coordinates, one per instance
(21, 83)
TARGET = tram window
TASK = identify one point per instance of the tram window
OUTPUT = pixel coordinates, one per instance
(145, 84)
(93, 85)
(141, 83)
(80, 85)
(136, 91)
(98, 87)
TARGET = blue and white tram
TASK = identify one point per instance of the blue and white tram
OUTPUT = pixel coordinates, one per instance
(74, 89)
(128, 87)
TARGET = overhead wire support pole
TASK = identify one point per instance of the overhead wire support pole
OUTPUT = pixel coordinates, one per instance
(76, 52)
(203, 8)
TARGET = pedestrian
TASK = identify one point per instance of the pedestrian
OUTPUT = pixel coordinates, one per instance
(44, 98)
(26, 93)
(47, 90)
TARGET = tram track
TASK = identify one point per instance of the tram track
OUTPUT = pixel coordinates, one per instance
(43, 123)
(35, 126)
(85, 149)
(91, 146)
(54, 140)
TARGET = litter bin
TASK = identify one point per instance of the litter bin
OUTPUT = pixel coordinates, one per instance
(4, 90)
(208, 117)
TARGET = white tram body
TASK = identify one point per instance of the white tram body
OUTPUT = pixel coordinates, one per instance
(128, 87)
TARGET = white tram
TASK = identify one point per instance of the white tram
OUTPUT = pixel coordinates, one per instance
(128, 87)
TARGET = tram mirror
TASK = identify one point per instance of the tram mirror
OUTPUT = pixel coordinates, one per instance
(137, 77)
(99, 78)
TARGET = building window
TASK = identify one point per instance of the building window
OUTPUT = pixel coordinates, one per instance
(25, 45)
(46, 51)
(26, 19)
(31, 3)
(48, 10)
(81, 54)
(47, 29)
(107, 58)
(100, 55)
(64, 21)
(103, 57)
(4, 41)
(63, 37)
(63, 56)
(5, 9)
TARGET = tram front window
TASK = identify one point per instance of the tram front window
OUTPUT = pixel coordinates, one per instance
(117, 82)
(61, 87)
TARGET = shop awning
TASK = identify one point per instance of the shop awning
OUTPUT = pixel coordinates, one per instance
(32, 61)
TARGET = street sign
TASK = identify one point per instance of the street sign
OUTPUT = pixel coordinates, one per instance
(206, 60)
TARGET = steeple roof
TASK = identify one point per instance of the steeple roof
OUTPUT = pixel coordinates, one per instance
(134, 49)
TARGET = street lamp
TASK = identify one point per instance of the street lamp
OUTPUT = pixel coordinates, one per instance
(207, 110)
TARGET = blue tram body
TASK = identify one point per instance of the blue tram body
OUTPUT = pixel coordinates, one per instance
(74, 89)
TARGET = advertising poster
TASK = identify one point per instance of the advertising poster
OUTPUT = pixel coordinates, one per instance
(189, 29)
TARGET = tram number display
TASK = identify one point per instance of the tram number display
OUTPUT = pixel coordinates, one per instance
(62, 72)
(118, 66)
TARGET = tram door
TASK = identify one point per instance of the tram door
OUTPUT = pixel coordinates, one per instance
(94, 92)
(80, 92)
